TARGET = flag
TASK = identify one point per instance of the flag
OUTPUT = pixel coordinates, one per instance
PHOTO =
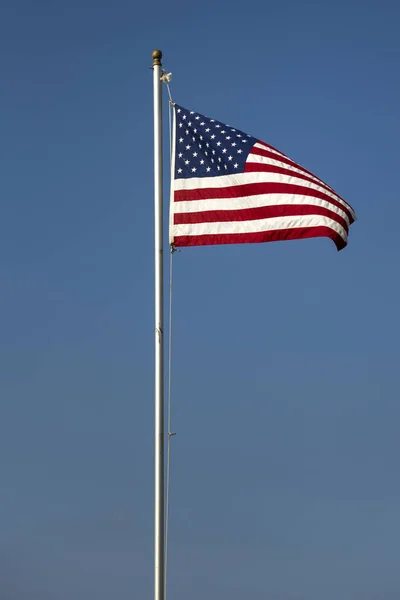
(228, 187)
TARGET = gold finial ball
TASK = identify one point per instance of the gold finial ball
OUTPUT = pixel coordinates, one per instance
(156, 56)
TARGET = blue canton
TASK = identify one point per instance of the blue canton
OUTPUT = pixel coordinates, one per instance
(208, 148)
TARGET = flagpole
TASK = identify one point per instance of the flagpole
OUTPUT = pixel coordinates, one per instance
(159, 336)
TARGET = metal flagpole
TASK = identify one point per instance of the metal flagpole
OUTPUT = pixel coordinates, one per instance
(159, 336)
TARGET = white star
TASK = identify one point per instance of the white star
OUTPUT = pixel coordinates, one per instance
(223, 131)
(233, 129)
(208, 169)
(230, 157)
(238, 135)
(219, 143)
(187, 131)
(194, 154)
(202, 162)
(212, 160)
(194, 130)
(208, 129)
(194, 138)
(192, 112)
(187, 162)
(189, 124)
(184, 117)
(180, 155)
(213, 151)
(207, 144)
(228, 137)
(188, 147)
(179, 170)
(218, 126)
(199, 145)
(179, 110)
(180, 124)
(233, 144)
(236, 165)
(225, 167)
(219, 159)
(194, 170)
(202, 123)
(200, 137)
(181, 140)
(218, 167)
(213, 136)
(206, 153)
(239, 151)
(212, 120)
(197, 118)
(224, 150)
(244, 141)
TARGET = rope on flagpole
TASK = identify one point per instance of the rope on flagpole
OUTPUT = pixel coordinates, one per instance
(166, 78)
(170, 434)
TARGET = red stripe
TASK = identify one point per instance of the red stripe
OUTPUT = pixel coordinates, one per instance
(265, 152)
(262, 236)
(264, 168)
(287, 161)
(255, 189)
(253, 214)
(328, 187)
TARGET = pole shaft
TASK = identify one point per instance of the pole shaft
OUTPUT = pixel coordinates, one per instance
(159, 582)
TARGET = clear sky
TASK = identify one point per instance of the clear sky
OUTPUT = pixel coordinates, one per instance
(285, 475)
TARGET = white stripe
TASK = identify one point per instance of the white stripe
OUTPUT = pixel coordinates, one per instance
(266, 147)
(194, 206)
(264, 160)
(292, 180)
(258, 225)
(246, 178)
(194, 183)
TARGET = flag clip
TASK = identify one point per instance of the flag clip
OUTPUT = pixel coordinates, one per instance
(166, 77)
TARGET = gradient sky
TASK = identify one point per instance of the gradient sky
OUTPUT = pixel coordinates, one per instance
(285, 475)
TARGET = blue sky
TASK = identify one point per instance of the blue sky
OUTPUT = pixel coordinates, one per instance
(286, 382)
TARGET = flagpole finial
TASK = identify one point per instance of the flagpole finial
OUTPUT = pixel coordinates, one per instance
(156, 56)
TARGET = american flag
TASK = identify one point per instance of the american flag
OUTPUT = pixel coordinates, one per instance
(229, 188)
